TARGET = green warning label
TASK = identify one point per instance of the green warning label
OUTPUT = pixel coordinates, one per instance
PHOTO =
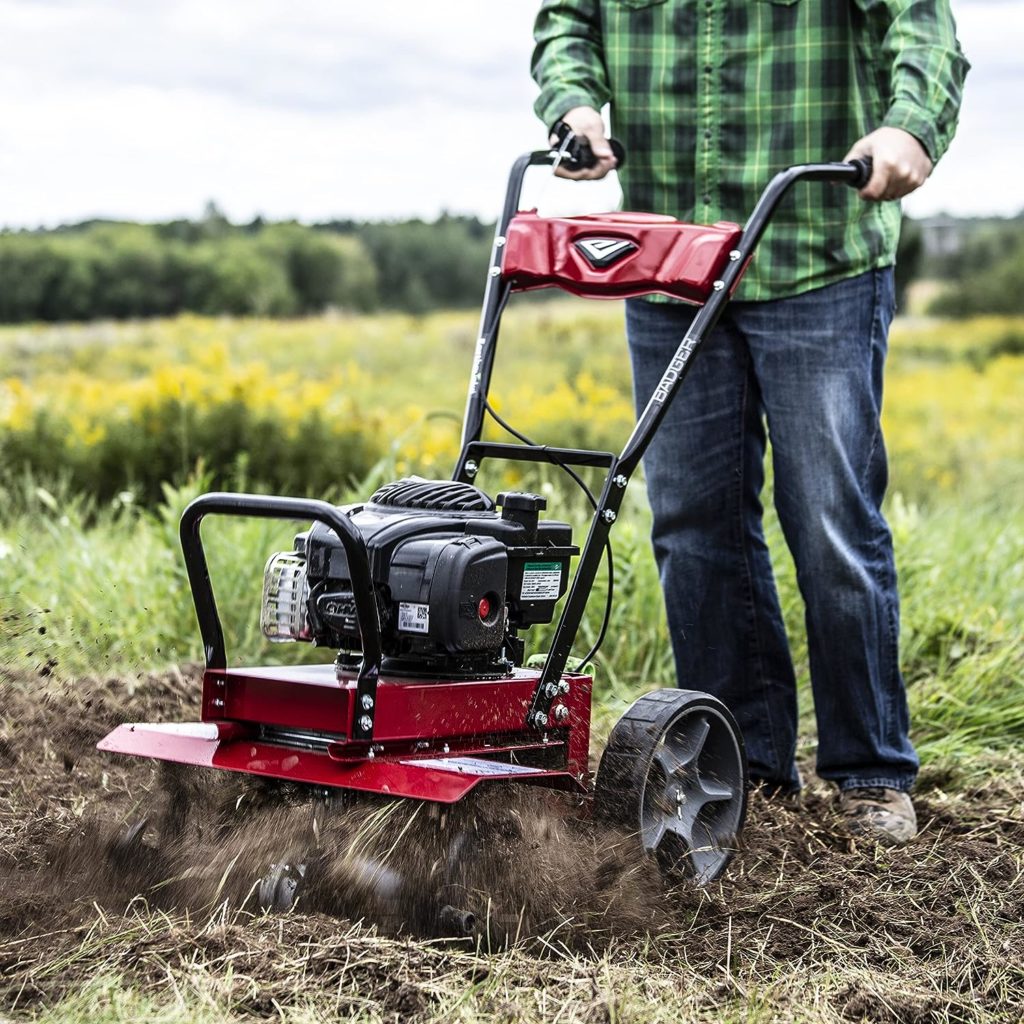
(541, 581)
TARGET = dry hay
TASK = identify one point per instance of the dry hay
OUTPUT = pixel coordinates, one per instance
(809, 924)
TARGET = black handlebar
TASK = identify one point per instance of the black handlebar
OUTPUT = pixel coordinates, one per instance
(864, 167)
(576, 152)
(261, 506)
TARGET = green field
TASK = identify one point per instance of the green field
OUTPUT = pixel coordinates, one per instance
(106, 432)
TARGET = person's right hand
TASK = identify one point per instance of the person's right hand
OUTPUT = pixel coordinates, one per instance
(587, 122)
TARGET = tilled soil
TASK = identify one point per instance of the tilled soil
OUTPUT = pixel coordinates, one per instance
(930, 932)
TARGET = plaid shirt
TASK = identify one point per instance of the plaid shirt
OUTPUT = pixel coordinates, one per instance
(712, 97)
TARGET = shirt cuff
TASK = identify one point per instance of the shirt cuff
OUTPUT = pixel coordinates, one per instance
(552, 106)
(911, 118)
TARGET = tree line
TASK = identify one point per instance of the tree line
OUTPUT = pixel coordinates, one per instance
(105, 269)
(120, 270)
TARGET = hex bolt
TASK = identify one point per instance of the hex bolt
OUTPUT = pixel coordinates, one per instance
(540, 719)
(734, 255)
(608, 515)
(365, 723)
(499, 241)
(471, 469)
(563, 686)
(561, 713)
(495, 271)
(620, 480)
(367, 701)
(551, 690)
(718, 285)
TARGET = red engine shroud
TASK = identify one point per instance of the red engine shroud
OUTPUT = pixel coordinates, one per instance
(617, 255)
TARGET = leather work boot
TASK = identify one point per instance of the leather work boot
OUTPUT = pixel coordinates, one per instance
(886, 815)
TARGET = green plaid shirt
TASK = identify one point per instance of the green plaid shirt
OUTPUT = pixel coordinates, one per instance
(712, 97)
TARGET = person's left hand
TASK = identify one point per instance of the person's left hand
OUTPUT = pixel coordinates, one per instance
(899, 163)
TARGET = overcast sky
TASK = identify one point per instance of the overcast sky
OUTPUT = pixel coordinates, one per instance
(314, 109)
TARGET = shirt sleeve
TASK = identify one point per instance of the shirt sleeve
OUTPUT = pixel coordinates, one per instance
(927, 69)
(568, 59)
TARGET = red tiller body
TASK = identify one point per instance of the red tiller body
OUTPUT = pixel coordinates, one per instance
(433, 739)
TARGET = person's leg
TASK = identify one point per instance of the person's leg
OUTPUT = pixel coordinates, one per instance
(704, 472)
(819, 358)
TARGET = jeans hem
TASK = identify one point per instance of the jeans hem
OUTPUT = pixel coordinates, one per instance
(904, 785)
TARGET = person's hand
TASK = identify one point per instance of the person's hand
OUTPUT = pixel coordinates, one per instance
(899, 163)
(587, 123)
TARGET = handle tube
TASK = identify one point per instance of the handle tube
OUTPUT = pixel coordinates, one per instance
(855, 174)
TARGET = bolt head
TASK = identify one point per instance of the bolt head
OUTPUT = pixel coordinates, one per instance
(563, 686)
(561, 713)
(718, 285)
(620, 480)
(608, 515)
(551, 690)
(366, 701)
(366, 723)
(472, 469)
(540, 719)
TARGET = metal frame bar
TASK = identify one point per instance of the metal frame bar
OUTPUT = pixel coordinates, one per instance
(260, 506)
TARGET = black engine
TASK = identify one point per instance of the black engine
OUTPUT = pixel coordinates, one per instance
(454, 578)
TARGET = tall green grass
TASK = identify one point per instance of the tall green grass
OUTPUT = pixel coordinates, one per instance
(88, 589)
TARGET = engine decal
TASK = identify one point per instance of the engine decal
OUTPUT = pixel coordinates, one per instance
(413, 618)
(541, 581)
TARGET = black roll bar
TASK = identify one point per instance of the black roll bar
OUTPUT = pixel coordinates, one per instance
(261, 506)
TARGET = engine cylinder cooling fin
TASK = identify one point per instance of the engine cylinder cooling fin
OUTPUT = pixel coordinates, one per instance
(284, 617)
(435, 495)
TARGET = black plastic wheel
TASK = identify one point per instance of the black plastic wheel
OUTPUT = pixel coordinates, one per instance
(674, 773)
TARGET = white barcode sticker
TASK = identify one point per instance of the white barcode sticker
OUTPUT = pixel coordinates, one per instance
(413, 618)
(541, 581)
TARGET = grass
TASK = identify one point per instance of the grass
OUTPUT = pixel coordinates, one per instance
(808, 927)
(87, 590)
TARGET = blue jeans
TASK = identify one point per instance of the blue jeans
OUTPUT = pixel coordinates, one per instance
(807, 372)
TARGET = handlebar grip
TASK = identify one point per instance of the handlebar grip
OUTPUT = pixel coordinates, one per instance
(579, 155)
(863, 165)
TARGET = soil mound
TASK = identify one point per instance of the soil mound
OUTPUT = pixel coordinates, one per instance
(943, 913)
